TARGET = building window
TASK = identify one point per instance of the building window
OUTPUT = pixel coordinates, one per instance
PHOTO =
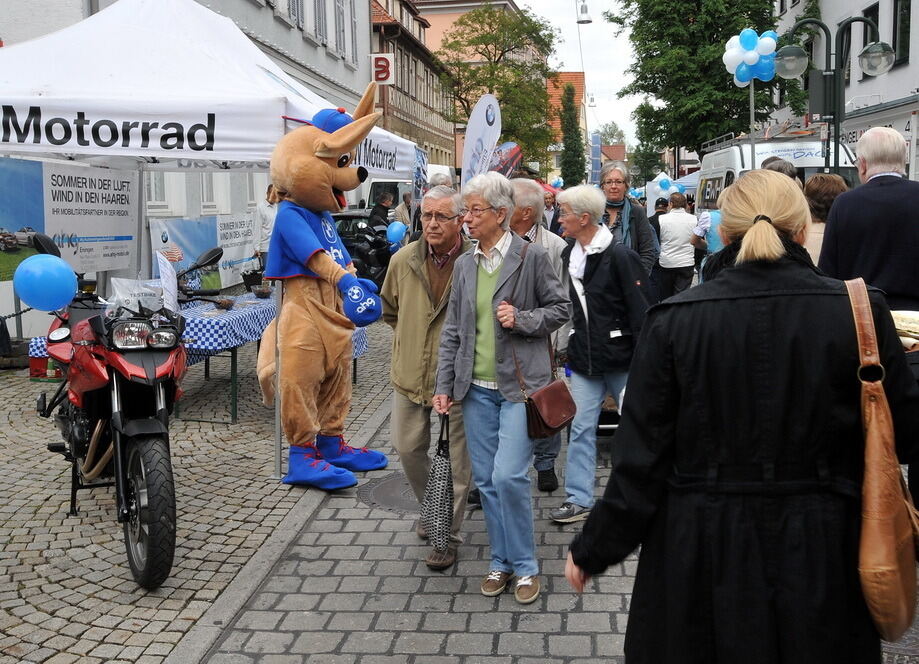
(156, 191)
(319, 8)
(215, 193)
(208, 199)
(872, 13)
(353, 32)
(783, 5)
(295, 9)
(340, 45)
(901, 12)
(558, 161)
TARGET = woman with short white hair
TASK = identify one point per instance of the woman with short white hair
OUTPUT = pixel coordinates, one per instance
(609, 300)
(505, 302)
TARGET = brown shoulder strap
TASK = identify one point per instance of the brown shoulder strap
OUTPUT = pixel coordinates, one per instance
(864, 323)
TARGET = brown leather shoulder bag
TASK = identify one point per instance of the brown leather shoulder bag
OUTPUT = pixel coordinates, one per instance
(890, 525)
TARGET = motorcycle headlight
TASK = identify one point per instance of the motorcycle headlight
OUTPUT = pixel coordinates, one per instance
(163, 338)
(131, 335)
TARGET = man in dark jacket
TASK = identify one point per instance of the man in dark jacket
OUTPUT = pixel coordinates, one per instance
(379, 214)
(872, 231)
(626, 217)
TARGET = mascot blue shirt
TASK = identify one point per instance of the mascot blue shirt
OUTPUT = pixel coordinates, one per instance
(298, 234)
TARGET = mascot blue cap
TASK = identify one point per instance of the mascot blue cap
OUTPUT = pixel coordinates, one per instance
(331, 120)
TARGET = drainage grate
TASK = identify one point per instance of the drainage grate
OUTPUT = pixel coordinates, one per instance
(391, 493)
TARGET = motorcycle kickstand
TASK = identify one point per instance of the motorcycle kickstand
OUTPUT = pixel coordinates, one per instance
(74, 487)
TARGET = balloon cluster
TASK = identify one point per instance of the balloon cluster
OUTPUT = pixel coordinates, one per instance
(557, 183)
(635, 193)
(667, 187)
(750, 56)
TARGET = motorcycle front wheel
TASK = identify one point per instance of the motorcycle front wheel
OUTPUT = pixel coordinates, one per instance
(150, 531)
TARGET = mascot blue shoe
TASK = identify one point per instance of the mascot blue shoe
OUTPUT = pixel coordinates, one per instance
(305, 467)
(338, 453)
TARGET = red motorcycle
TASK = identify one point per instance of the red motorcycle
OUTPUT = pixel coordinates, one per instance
(122, 369)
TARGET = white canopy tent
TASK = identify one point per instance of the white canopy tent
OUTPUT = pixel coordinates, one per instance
(167, 81)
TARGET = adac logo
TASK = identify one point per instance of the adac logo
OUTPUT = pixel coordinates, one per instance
(355, 293)
(490, 115)
(329, 231)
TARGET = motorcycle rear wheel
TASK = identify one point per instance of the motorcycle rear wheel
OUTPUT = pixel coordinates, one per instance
(150, 531)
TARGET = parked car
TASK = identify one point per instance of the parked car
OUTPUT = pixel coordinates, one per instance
(368, 246)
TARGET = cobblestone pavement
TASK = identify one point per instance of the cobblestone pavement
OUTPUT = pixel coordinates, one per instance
(353, 589)
(66, 593)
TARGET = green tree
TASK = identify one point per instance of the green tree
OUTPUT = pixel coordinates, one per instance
(647, 156)
(489, 50)
(573, 161)
(611, 134)
(678, 46)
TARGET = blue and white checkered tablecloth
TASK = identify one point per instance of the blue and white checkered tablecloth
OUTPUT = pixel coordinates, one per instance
(209, 330)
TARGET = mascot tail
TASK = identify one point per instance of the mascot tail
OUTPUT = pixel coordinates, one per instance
(265, 367)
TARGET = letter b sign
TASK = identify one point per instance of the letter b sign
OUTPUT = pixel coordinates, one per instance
(383, 72)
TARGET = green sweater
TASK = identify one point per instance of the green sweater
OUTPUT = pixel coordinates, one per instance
(483, 367)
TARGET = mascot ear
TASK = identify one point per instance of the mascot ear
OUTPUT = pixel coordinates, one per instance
(345, 139)
(365, 106)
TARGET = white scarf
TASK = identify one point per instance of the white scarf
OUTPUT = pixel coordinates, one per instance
(597, 245)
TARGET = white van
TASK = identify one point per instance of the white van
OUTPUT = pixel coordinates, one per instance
(721, 167)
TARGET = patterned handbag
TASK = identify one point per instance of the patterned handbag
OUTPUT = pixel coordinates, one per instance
(437, 506)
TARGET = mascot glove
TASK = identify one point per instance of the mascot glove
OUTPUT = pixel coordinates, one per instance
(368, 284)
(361, 306)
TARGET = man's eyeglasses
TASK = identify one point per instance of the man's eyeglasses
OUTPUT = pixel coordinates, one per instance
(615, 182)
(475, 212)
(427, 217)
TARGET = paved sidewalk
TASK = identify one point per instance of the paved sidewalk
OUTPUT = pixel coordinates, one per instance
(66, 594)
(352, 588)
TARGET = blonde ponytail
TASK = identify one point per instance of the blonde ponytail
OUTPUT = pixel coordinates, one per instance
(759, 207)
(761, 242)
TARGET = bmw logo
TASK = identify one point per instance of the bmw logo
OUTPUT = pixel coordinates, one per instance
(164, 237)
(490, 115)
(328, 230)
(355, 293)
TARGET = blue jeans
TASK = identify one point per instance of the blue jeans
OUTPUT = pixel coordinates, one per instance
(588, 393)
(546, 451)
(500, 452)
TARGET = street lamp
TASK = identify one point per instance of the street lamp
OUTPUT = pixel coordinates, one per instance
(875, 59)
(583, 14)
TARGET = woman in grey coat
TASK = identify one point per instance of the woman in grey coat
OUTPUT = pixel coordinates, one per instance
(505, 302)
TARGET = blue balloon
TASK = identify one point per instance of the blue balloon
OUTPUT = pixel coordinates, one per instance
(664, 184)
(395, 232)
(680, 188)
(45, 282)
(558, 183)
(743, 73)
(748, 39)
(764, 70)
(771, 33)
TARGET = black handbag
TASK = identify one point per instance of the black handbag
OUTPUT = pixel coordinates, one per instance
(437, 505)
(551, 407)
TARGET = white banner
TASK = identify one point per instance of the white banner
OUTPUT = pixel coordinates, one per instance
(241, 129)
(482, 133)
(91, 214)
(236, 235)
(386, 156)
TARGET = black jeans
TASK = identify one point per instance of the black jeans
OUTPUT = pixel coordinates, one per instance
(673, 280)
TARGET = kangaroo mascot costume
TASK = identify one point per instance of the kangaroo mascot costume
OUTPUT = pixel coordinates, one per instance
(322, 298)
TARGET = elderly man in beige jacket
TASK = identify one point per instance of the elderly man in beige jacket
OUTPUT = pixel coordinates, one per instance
(415, 296)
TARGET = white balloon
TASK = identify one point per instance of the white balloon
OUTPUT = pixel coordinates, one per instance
(733, 42)
(750, 57)
(765, 46)
(731, 58)
(740, 84)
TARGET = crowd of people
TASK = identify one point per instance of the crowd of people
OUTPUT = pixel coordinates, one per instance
(736, 464)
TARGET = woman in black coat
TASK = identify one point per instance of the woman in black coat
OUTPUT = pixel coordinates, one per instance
(737, 466)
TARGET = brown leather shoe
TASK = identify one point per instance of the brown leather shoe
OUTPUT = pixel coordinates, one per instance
(439, 560)
(495, 583)
(527, 590)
